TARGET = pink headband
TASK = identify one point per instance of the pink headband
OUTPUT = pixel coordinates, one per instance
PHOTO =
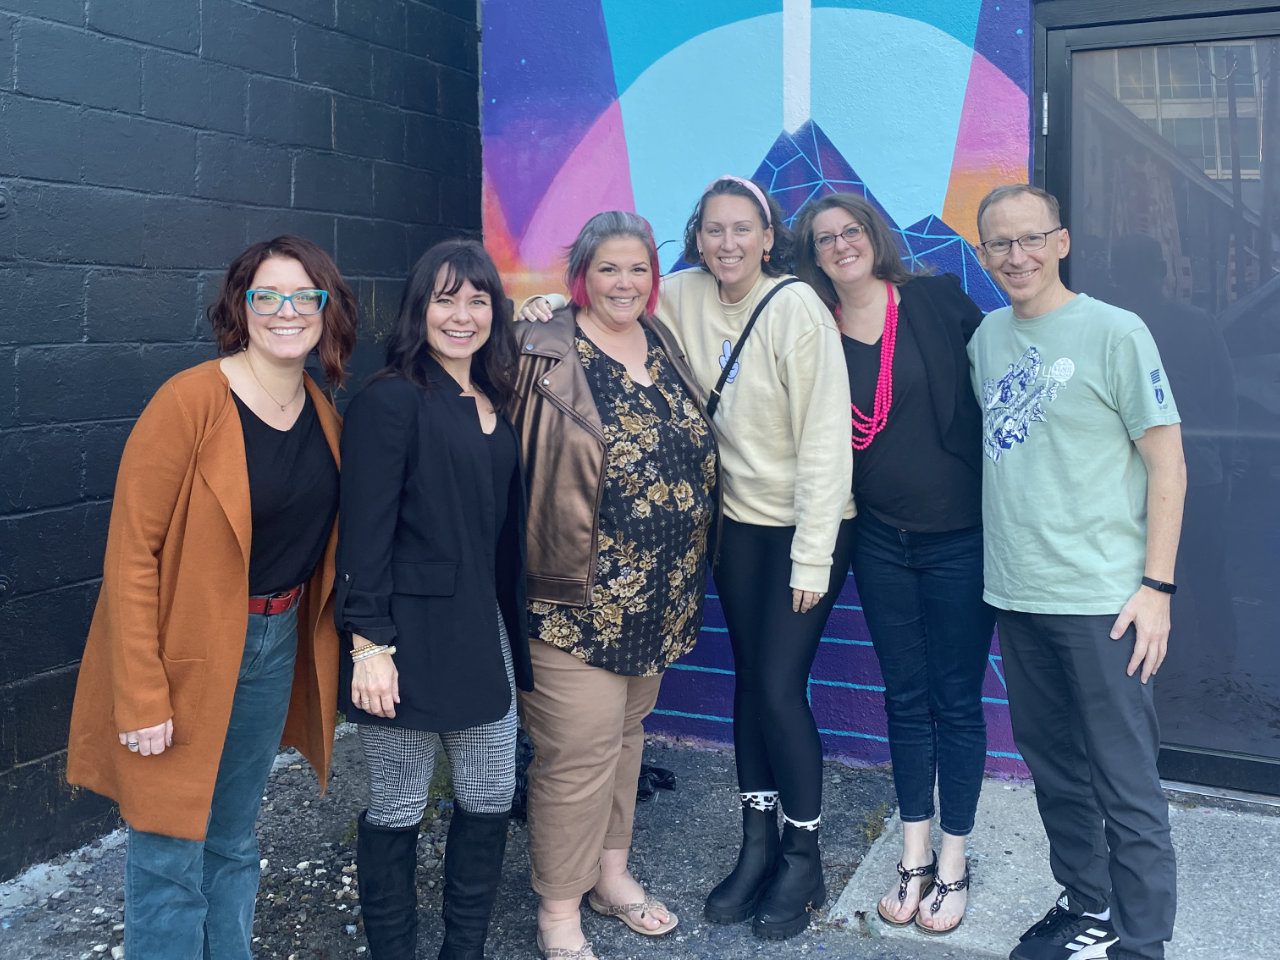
(756, 192)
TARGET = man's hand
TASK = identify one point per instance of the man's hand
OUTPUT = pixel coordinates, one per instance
(1148, 612)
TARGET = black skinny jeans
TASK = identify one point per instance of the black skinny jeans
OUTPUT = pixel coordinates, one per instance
(775, 737)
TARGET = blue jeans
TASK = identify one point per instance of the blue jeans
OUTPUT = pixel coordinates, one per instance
(922, 598)
(194, 900)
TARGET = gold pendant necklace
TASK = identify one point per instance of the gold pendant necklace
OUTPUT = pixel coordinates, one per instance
(268, 392)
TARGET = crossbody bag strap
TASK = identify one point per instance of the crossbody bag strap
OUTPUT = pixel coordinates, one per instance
(714, 400)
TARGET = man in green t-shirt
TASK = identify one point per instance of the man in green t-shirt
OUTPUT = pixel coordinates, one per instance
(1083, 483)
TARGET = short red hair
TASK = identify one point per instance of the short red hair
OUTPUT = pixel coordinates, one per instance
(602, 227)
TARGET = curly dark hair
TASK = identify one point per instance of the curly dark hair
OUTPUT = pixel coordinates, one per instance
(779, 261)
(338, 333)
(443, 269)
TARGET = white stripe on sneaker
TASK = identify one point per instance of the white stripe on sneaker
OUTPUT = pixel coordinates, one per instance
(1092, 944)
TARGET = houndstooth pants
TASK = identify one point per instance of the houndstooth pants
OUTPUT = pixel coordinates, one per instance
(401, 763)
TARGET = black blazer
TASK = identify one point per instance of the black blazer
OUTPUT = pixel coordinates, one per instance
(942, 318)
(417, 562)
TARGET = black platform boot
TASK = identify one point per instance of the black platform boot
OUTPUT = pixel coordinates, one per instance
(472, 869)
(386, 864)
(734, 899)
(796, 887)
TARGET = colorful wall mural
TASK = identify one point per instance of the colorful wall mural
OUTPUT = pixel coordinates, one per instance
(919, 105)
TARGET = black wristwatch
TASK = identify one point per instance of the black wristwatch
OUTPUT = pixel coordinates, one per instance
(1154, 584)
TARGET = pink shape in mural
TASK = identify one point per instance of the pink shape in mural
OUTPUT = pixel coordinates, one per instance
(595, 177)
(992, 145)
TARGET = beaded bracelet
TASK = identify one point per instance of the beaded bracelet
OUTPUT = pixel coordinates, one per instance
(369, 651)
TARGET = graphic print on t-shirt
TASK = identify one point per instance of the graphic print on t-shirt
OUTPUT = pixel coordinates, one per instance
(1018, 399)
(725, 353)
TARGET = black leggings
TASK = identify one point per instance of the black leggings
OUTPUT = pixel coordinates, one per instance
(775, 737)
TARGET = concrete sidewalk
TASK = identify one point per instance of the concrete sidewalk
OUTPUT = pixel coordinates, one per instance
(1227, 860)
(685, 841)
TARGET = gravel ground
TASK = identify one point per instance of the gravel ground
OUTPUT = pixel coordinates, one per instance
(685, 841)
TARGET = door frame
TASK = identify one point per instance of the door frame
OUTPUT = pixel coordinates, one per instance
(1061, 28)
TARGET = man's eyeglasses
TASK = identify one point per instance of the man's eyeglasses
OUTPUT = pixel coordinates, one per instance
(1028, 242)
(825, 241)
(267, 303)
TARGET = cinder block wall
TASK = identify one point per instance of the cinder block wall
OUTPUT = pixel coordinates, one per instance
(143, 143)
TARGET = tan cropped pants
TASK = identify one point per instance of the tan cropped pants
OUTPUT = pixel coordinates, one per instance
(587, 729)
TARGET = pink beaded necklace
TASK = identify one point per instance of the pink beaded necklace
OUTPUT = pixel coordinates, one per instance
(866, 427)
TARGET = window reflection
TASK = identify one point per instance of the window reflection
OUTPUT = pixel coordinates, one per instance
(1175, 214)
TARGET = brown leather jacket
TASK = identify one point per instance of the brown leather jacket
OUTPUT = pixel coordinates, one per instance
(562, 443)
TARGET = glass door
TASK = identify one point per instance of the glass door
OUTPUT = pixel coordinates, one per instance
(1168, 162)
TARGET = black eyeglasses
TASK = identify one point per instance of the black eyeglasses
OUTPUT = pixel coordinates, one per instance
(267, 303)
(825, 241)
(1028, 242)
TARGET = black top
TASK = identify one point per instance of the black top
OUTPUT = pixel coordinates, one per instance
(423, 561)
(655, 512)
(504, 458)
(922, 472)
(293, 489)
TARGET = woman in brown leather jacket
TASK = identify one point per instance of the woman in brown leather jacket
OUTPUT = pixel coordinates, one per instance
(621, 469)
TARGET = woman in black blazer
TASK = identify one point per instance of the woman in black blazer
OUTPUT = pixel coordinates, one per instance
(917, 558)
(431, 597)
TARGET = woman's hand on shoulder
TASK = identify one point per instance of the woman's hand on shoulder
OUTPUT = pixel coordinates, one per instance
(148, 740)
(375, 683)
(535, 308)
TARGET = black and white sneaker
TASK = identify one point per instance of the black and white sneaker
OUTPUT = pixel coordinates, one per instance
(1063, 935)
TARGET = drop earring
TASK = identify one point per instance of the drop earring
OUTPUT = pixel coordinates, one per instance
(766, 256)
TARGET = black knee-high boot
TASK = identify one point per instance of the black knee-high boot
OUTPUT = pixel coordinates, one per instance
(472, 870)
(796, 886)
(386, 864)
(734, 898)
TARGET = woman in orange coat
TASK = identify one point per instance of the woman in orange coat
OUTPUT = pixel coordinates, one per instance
(213, 638)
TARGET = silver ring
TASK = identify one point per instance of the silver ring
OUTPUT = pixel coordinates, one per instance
(132, 744)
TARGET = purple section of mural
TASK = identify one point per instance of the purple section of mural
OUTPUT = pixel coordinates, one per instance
(548, 75)
(845, 690)
(1004, 38)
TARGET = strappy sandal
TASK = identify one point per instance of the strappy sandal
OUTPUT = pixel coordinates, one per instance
(940, 891)
(584, 952)
(623, 912)
(904, 880)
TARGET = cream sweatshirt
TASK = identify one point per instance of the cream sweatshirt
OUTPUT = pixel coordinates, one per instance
(783, 422)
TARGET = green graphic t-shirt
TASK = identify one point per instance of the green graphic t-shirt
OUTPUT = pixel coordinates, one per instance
(1064, 496)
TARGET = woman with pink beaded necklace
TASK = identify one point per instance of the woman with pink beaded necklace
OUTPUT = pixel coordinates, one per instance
(917, 558)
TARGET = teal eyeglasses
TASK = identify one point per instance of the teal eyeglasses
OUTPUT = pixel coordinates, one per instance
(267, 303)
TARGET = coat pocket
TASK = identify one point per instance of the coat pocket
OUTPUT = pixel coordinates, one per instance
(186, 691)
(435, 579)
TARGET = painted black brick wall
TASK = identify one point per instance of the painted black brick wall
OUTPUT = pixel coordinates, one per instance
(143, 143)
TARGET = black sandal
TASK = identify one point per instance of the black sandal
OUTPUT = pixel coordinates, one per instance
(904, 879)
(940, 891)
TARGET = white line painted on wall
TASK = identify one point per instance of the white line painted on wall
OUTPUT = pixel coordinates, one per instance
(796, 60)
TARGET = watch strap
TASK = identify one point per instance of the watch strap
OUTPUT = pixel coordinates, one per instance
(1162, 586)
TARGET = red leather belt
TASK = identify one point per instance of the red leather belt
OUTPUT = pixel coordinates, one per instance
(280, 603)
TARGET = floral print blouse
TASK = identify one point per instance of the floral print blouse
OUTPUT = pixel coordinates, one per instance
(659, 487)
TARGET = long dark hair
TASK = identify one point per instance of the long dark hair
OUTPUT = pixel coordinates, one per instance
(779, 261)
(338, 331)
(444, 269)
(886, 262)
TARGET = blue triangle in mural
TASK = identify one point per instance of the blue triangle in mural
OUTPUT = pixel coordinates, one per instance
(931, 242)
(806, 164)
